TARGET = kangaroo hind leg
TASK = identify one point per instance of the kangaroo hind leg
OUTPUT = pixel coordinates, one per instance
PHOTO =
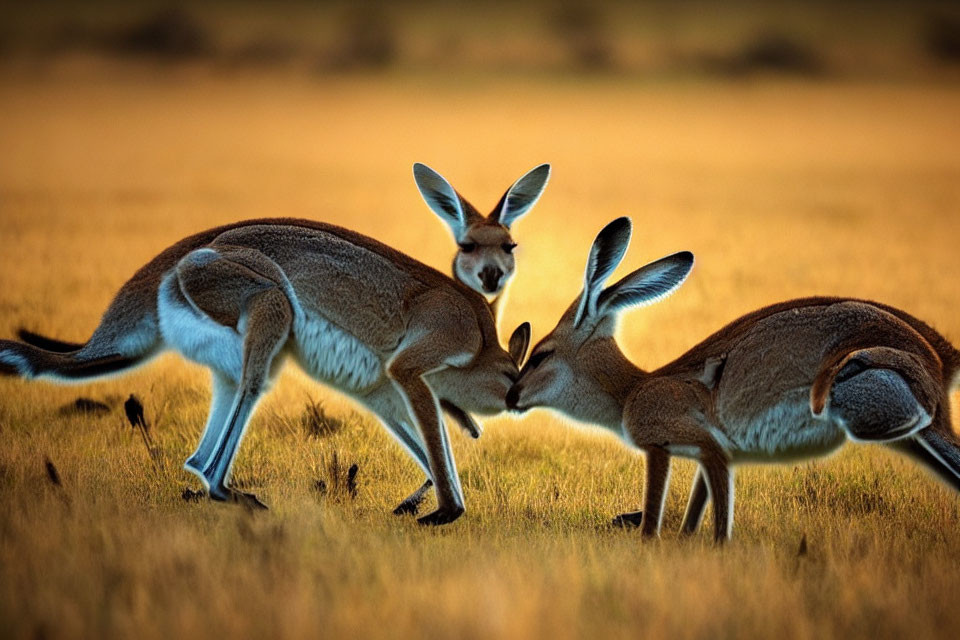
(224, 391)
(876, 394)
(937, 447)
(236, 288)
(696, 504)
(938, 452)
(944, 446)
(268, 328)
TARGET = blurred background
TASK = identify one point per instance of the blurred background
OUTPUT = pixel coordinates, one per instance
(649, 39)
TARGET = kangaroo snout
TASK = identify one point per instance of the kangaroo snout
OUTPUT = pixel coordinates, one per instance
(490, 278)
(513, 397)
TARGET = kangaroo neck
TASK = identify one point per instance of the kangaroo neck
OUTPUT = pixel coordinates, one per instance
(495, 309)
(617, 377)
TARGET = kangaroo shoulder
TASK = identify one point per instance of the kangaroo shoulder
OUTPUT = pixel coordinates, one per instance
(660, 397)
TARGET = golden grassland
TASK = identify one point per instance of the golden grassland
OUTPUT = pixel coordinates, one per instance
(781, 189)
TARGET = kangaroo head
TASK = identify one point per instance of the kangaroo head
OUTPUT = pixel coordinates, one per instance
(577, 368)
(484, 260)
(481, 385)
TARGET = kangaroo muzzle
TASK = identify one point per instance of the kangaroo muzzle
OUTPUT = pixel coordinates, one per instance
(490, 278)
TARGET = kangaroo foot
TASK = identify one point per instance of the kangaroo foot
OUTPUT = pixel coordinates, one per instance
(441, 516)
(628, 520)
(245, 500)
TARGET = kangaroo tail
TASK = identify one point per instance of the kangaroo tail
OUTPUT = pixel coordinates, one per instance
(28, 361)
(48, 344)
(128, 336)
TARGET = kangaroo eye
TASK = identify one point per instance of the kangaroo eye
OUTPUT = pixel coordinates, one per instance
(508, 247)
(537, 359)
(467, 247)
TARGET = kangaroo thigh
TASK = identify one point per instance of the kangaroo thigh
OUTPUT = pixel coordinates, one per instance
(877, 404)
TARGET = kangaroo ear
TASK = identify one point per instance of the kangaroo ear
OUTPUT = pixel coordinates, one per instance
(440, 197)
(519, 343)
(647, 284)
(605, 254)
(521, 197)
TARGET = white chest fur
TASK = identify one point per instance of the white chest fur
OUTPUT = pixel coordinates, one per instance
(332, 355)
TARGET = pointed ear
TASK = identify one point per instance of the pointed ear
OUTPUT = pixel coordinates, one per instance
(440, 197)
(605, 254)
(519, 343)
(647, 284)
(521, 197)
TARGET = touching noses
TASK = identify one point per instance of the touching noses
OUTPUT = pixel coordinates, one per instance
(490, 278)
(513, 396)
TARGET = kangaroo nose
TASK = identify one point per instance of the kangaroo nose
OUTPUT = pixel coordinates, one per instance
(490, 278)
(513, 396)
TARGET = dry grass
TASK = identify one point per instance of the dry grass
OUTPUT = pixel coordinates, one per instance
(780, 189)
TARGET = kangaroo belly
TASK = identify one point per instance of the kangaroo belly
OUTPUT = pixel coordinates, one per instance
(330, 354)
(782, 432)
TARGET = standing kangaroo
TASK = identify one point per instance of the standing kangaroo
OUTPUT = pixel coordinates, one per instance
(396, 335)
(789, 381)
(484, 260)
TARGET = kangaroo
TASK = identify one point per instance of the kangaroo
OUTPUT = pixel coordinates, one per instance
(484, 262)
(399, 337)
(790, 381)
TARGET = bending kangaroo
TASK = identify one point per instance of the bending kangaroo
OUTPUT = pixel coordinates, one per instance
(484, 262)
(394, 334)
(790, 381)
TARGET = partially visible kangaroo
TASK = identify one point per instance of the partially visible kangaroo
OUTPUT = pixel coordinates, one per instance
(396, 335)
(789, 381)
(484, 260)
